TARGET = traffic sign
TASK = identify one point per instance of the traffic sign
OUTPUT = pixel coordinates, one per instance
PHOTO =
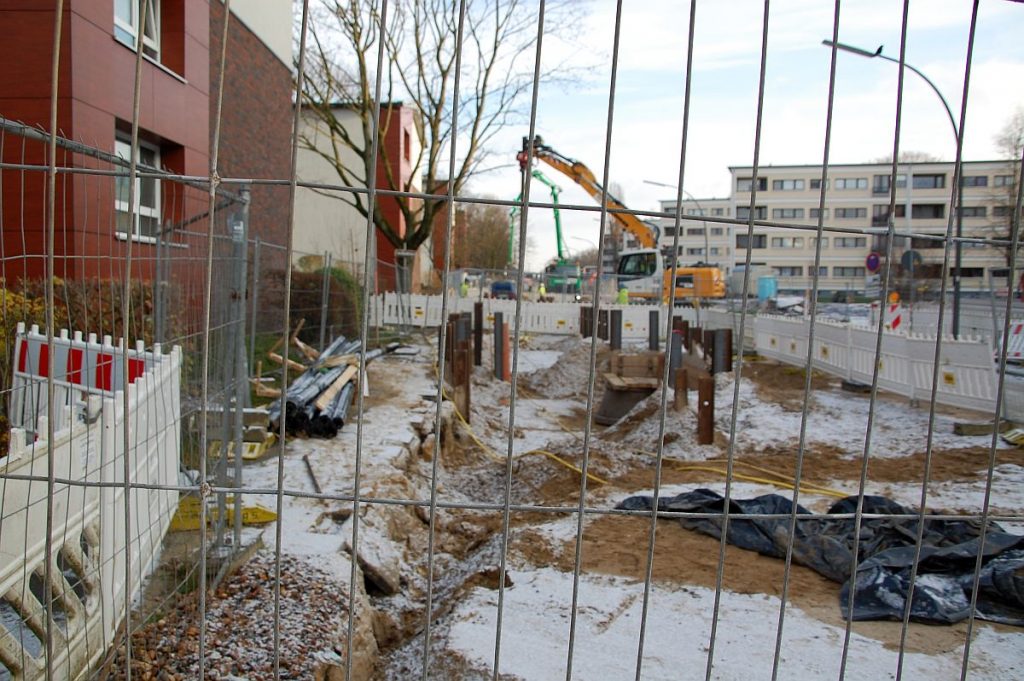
(873, 262)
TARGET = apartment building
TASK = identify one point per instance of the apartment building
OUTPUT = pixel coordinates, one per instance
(95, 90)
(855, 217)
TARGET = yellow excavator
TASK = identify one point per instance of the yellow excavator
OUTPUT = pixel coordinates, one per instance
(642, 272)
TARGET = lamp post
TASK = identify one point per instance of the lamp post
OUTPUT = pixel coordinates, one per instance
(688, 195)
(877, 54)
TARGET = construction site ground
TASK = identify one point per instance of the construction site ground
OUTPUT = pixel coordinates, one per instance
(470, 479)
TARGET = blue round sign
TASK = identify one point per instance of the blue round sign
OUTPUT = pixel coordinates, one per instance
(873, 262)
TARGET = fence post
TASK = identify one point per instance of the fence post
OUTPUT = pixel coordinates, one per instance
(615, 332)
(478, 333)
(240, 237)
(652, 331)
(462, 372)
(506, 360)
(255, 291)
(708, 345)
(325, 297)
(706, 411)
(679, 396)
(675, 351)
(499, 352)
(159, 304)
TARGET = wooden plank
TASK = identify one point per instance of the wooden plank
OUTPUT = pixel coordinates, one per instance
(327, 396)
(309, 353)
(630, 383)
(292, 364)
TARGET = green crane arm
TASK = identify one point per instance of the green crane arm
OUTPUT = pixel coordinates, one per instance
(514, 212)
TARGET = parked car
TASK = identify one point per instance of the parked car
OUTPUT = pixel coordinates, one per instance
(503, 289)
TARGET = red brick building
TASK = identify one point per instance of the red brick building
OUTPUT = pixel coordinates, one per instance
(95, 102)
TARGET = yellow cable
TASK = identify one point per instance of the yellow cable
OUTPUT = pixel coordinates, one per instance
(751, 478)
(541, 452)
(783, 476)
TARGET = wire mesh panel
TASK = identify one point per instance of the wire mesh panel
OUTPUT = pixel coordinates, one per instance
(293, 387)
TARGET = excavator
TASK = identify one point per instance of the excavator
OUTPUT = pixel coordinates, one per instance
(641, 272)
(561, 275)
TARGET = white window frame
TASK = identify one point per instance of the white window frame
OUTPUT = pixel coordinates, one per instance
(126, 28)
(123, 149)
(851, 183)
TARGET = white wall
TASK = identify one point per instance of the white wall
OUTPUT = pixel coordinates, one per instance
(271, 21)
(323, 221)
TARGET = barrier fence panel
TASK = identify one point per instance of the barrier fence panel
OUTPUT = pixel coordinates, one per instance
(247, 182)
(905, 365)
(90, 536)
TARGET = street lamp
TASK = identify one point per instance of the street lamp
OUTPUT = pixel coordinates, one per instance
(877, 54)
(707, 249)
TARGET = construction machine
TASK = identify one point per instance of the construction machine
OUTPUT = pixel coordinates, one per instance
(642, 272)
(561, 275)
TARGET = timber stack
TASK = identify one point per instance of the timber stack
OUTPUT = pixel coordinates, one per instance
(318, 402)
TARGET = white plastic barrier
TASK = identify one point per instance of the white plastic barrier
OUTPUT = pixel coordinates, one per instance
(419, 311)
(90, 537)
(967, 376)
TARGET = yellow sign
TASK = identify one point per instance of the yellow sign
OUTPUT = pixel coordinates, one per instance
(187, 516)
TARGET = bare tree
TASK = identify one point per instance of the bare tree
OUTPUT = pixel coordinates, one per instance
(910, 156)
(420, 53)
(484, 243)
(1010, 142)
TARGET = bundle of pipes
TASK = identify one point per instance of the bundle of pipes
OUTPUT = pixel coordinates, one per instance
(318, 401)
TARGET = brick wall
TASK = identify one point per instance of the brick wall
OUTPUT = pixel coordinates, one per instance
(256, 123)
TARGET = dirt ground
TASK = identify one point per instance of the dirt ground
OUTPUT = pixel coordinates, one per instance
(471, 469)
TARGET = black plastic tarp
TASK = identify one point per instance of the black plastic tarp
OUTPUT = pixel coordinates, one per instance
(949, 553)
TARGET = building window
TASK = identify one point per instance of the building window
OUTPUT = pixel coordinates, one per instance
(718, 211)
(694, 251)
(928, 211)
(670, 231)
(932, 181)
(788, 213)
(743, 212)
(850, 242)
(846, 213)
(147, 193)
(127, 17)
(1002, 211)
(717, 231)
(758, 241)
(852, 183)
(817, 212)
(406, 145)
(824, 242)
(823, 271)
(787, 185)
(789, 271)
(881, 183)
(816, 184)
(787, 242)
(973, 211)
(715, 250)
(880, 214)
(839, 271)
(746, 184)
(695, 231)
(975, 180)
(1002, 181)
(695, 211)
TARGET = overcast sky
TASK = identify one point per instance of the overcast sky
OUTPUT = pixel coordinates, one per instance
(648, 107)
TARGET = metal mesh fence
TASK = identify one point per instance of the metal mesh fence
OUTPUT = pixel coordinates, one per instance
(172, 508)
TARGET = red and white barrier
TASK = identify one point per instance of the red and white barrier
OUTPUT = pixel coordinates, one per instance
(92, 538)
